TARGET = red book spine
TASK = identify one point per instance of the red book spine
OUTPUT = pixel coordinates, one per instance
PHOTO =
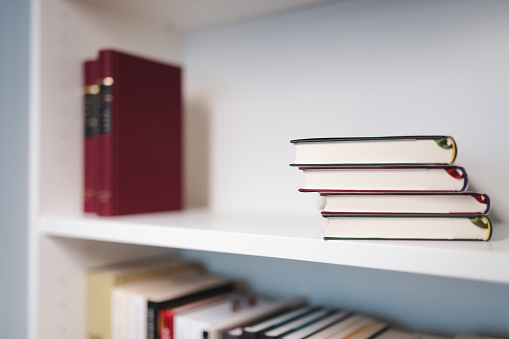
(91, 125)
(104, 196)
(165, 330)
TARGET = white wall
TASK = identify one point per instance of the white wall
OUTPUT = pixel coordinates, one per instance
(351, 68)
(14, 42)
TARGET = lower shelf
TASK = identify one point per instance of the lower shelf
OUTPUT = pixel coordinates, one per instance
(291, 237)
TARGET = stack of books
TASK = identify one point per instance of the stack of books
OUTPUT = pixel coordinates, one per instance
(132, 134)
(398, 187)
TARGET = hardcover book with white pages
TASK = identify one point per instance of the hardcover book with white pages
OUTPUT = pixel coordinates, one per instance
(386, 178)
(427, 149)
(406, 202)
(407, 227)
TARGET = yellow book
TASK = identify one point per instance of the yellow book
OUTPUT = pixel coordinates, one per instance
(102, 280)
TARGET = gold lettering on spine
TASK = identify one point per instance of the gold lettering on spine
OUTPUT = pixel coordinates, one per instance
(92, 89)
(108, 81)
(103, 196)
(106, 105)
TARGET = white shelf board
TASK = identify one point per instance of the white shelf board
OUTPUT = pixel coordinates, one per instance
(291, 237)
(196, 14)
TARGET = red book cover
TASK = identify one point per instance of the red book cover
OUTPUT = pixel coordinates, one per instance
(91, 124)
(140, 135)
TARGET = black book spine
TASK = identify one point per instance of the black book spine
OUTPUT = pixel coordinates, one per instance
(152, 321)
(105, 101)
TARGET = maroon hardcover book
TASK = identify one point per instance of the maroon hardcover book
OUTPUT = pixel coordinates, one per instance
(140, 135)
(91, 125)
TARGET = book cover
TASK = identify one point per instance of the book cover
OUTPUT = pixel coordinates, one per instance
(102, 281)
(91, 132)
(427, 149)
(386, 178)
(140, 135)
(407, 227)
(406, 202)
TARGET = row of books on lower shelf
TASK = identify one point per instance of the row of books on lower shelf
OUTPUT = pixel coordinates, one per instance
(398, 188)
(170, 298)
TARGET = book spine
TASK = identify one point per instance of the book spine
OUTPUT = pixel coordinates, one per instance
(91, 127)
(180, 326)
(105, 193)
(119, 314)
(166, 329)
(99, 306)
(152, 317)
(139, 312)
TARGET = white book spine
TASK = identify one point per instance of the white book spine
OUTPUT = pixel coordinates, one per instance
(181, 327)
(138, 317)
(119, 314)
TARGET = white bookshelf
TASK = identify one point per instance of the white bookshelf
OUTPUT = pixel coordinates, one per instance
(258, 74)
(288, 237)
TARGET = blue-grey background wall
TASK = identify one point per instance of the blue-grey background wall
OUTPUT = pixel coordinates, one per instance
(14, 74)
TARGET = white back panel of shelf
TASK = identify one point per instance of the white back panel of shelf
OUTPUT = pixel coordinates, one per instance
(352, 68)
